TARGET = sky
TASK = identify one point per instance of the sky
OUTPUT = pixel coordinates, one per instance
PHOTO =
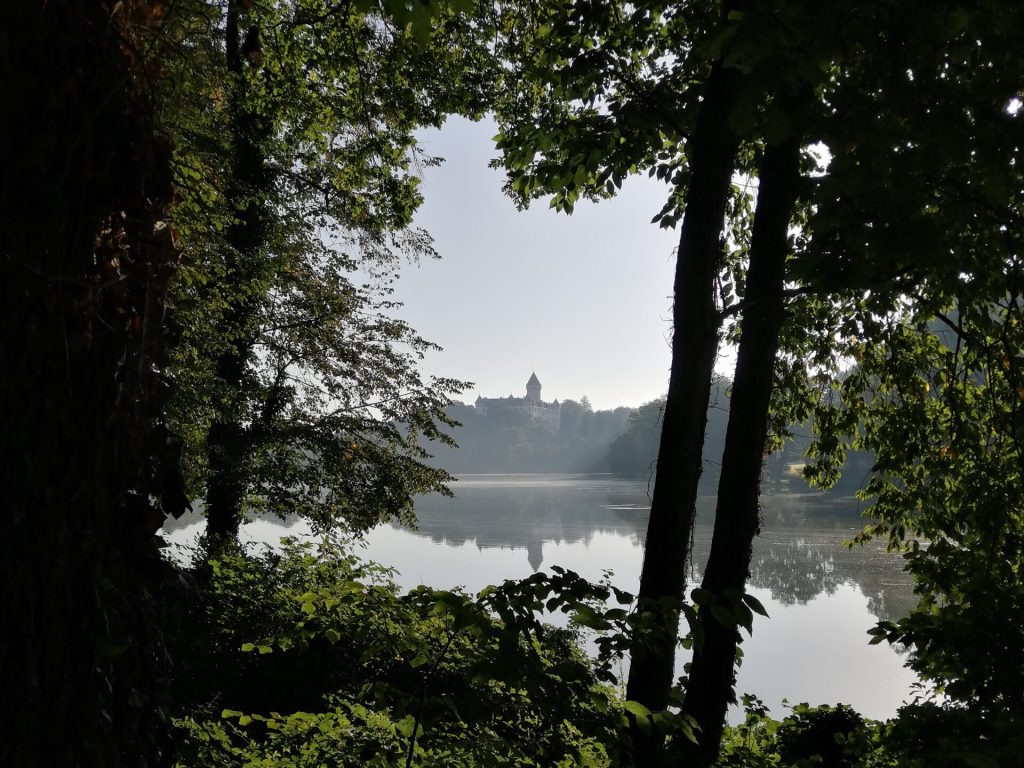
(582, 300)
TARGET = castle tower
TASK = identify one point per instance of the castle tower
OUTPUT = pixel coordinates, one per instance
(533, 388)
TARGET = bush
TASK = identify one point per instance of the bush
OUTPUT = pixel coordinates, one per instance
(832, 737)
(303, 657)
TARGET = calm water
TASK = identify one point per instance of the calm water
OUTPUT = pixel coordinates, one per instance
(822, 597)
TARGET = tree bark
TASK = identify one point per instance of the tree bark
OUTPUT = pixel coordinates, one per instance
(694, 346)
(710, 686)
(85, 257)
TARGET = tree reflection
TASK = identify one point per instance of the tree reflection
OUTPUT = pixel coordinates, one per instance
(800, 555)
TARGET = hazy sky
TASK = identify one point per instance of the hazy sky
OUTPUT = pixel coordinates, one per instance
(583, 300)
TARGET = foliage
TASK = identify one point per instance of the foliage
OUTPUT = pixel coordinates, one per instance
(928, 380)
(913, 209)
(507, 440)
(832, 736)
(314, 656)
(947, 736)
(749, 744)
(835, 735)
(297, 170)
(597, 92)
(945, 423)
(634, 452)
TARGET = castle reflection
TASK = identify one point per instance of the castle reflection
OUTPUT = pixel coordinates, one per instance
(800, 555)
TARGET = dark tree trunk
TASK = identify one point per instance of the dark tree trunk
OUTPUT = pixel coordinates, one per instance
(85, 257)
(226, 449)
(694, 346)
(228, 444)
(710, 686)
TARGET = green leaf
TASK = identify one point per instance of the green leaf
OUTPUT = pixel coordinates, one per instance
(744, 616)
(878, 635)
(755, 605)
(587, 617)
(622, 598)
(723, 615)
(641, 713)
(689, 727)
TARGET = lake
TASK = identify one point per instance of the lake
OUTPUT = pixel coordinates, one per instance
(821, 596)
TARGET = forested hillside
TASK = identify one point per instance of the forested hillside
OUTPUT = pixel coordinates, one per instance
(507, 440)
(634, 453)
(623, 441)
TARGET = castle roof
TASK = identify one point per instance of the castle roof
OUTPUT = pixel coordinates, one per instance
(533, 382)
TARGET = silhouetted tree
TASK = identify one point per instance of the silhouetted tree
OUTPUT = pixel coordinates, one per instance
(91, 470)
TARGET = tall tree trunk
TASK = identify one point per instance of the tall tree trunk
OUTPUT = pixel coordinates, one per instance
(85, 256)
(694, 346)
(226, 448)
(228, 443)
(710, 687)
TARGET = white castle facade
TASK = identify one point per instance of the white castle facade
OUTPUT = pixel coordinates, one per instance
(532, 405)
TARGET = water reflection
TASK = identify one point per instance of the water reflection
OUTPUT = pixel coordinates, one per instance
(800, 555)
(527, 512)
(822, 597)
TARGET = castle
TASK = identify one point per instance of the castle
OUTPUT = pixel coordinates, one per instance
(548, 414)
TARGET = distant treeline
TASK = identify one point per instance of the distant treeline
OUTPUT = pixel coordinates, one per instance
(623, 441)
(508, 440)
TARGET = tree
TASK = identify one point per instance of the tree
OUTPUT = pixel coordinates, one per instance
(599, 78)
(735, 76)
(612, 90)
(947, 428)
(939, 54)
(634, 452)
(933, 390)
(298, 170)
(709, 688)
(890, 261)
(503, 438)
(91, 468)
